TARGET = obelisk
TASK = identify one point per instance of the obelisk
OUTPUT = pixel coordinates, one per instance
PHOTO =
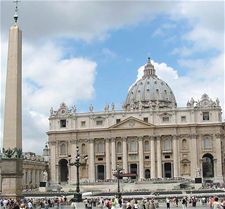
(12, 163)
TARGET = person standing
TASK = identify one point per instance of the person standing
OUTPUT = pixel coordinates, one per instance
(167, 203)
(184, 203)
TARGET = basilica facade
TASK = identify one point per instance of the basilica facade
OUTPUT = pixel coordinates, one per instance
(149, 136)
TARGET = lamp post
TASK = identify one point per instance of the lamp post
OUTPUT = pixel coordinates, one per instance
(77, 195)
(117, 172)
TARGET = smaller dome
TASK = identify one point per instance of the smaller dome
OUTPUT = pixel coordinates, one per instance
(150, 92)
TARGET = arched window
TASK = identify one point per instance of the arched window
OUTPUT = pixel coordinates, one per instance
(101, 147)
(119, 148)
(83, 149)
(184, 144)
(133, 146)
(208, 165)
(185, 168)
(207, 142)
(167, 145)
(63, 149)
(146, 146)
(147, 174)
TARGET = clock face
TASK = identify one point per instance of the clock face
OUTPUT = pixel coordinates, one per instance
(63, 111)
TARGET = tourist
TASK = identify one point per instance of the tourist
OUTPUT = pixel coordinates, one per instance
(184, 203)
(167, 203)
(210, 202)
(216, 204)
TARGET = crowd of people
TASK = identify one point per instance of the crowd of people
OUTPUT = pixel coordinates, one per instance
(112, 203)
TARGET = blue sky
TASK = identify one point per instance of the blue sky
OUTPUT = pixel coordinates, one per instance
(91, 52)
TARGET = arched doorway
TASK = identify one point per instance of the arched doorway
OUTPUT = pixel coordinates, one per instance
(100, 172)
(207, 166)
(63, 170)
(167, 170)
(147, 174)
(133, 169)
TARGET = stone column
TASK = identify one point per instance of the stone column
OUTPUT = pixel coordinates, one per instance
(193, 155)
(107, 155)
(218, 165)
(24, 178)
(159, 158)
(29, 177)
(125, 166)
(113, 155)
(33, 177)
(38, 178)
(91, 158)
(54, 171)
(153, 158)
(73, 169)
(175, 156)
(141, 158)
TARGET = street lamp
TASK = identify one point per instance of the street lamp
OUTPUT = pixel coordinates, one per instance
(118, 173)
(77, 195)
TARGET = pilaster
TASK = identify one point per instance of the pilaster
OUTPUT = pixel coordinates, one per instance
(141, 158)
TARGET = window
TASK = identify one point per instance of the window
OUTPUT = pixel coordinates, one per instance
(119, 158)
(62, 149)
(99, 122)
(119, 148)
(100, 159)
(100, 147)
(205, 116)
(207, 142)
(62, 123)
(167, 145)
(184, 144)
(146, 146)
(83, 149)
(147, 157)
(167, 156)
(117, 120)
(183, 118)
(83, 123)
(145, 120)
(133, 146)
(165, 119)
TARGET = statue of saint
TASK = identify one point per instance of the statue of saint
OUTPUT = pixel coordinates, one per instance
(91, 108)
(44, 176)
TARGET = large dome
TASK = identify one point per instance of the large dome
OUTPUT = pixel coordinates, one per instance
(150, 92)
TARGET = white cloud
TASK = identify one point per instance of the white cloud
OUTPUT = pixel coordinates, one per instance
(49, 79)
(206, 22)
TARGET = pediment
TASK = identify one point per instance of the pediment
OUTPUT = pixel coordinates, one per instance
(131, 123)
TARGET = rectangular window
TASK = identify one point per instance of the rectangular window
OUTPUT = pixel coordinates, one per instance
(100, 159)
(119, 158)
(83, 123)
(117, 120)
(145, 120)
(147, 157)
(62, 123)
(167, 156)
(205, 116)
(99, 122)
(165, 119)
(183, 118)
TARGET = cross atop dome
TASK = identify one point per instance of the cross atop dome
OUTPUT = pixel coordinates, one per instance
(149, 69)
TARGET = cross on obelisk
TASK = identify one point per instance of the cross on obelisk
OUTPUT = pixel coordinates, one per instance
(16, 10)
(12, 163)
